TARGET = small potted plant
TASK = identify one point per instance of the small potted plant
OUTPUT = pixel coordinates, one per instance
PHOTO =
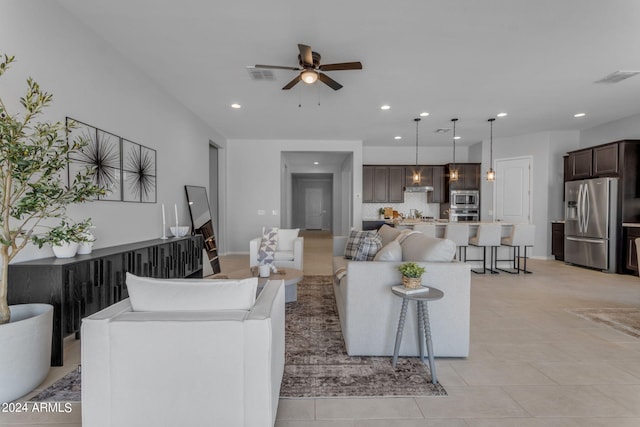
(381, 213)
(66, 238)
(411, 275)
(85, 237)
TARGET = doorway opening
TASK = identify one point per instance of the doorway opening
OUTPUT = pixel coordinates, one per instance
(312, 201)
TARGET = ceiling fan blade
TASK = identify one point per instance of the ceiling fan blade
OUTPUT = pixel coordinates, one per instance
(341, 66)
(329, 81)
(277, 67)
(292, 83)
(305, 54)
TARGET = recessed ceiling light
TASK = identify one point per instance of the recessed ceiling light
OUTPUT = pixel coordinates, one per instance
(316, 163)
(236, 106)
(397, 137)
(579, 115)
(501, 114)
(424, 114)
(456, 137)
(385, 107)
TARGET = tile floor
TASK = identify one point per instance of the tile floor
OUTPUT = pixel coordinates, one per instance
(532, 363)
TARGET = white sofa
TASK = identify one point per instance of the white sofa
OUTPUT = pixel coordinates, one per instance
(289, 252)
(184, 368)
(369, 312)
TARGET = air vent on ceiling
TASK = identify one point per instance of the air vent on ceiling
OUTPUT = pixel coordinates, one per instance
(259, 73)
(442, 130)
(617, 76)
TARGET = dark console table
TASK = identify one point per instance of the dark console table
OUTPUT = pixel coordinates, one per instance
(85, 284)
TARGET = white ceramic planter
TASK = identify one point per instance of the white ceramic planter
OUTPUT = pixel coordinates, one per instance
(85, 248)
(65, 250)
(25, 349)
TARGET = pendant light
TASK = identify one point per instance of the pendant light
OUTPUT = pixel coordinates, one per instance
(453, 171)
(416, 172)
(491, 174)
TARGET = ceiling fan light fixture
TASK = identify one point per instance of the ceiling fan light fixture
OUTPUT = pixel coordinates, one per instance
(309, 76)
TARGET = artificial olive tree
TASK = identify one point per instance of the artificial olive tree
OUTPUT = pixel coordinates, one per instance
(33, 157)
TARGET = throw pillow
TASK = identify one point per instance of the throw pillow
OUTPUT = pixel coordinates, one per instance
(419, 247)
(286, 238)
(354, 240)
(368, 248)
(392, 251)
(388, 233)
(147, 294)
(268, 245)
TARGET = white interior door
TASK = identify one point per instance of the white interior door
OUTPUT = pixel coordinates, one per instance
(313, 208)
(513, 190)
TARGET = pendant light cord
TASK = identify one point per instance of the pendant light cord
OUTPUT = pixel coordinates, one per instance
(417, 120)
(454, 141)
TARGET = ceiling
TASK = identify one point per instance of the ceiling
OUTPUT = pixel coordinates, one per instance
(537, 60)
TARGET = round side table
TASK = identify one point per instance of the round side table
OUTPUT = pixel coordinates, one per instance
(421, 298)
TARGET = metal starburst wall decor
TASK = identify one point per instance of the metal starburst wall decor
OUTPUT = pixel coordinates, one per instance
(125, 168)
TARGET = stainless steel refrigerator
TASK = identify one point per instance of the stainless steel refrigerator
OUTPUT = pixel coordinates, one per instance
(591, 221)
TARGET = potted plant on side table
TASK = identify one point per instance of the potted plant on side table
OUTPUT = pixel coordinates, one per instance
(32, 157)
(411, 275)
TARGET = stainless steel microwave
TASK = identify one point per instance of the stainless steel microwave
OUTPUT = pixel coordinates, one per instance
(465, 199)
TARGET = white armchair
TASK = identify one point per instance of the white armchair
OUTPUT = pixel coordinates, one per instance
(289, 252)
(184, 368)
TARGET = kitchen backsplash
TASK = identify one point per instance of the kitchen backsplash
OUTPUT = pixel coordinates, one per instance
(411, 201)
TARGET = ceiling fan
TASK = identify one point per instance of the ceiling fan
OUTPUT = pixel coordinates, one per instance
(311, 70)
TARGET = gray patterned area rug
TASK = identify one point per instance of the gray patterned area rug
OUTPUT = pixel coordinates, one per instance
(317, 364)
(625, 320)
(66, 389)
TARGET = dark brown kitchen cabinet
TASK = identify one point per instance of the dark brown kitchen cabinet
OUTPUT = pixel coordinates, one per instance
(631, 258)
(580, 164)
(382, 184)
(80, 286)
(439, 175)
(557, 240)
(396, 184)
(605, 160)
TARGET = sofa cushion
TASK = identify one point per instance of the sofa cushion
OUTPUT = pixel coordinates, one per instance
(419, 247)
(388, 234)
(392, 251)
(362, 245)
(268, 245)
(147, 294)
(286, 237)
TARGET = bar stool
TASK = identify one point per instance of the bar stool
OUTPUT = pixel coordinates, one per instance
(427, 229)
(521, 235)
(458, 233)
(488, 235)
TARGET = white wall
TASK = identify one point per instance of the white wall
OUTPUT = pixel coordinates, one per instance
(254, 172)
(406, 155)
(93, 83)
(627, 128)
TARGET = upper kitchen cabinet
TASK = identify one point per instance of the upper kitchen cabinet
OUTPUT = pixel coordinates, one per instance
(599, 161)
(580, 164)
(382, 184)
(469, 177)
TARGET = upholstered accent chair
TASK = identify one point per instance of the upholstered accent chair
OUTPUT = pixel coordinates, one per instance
(154, 361)
(289, 250)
